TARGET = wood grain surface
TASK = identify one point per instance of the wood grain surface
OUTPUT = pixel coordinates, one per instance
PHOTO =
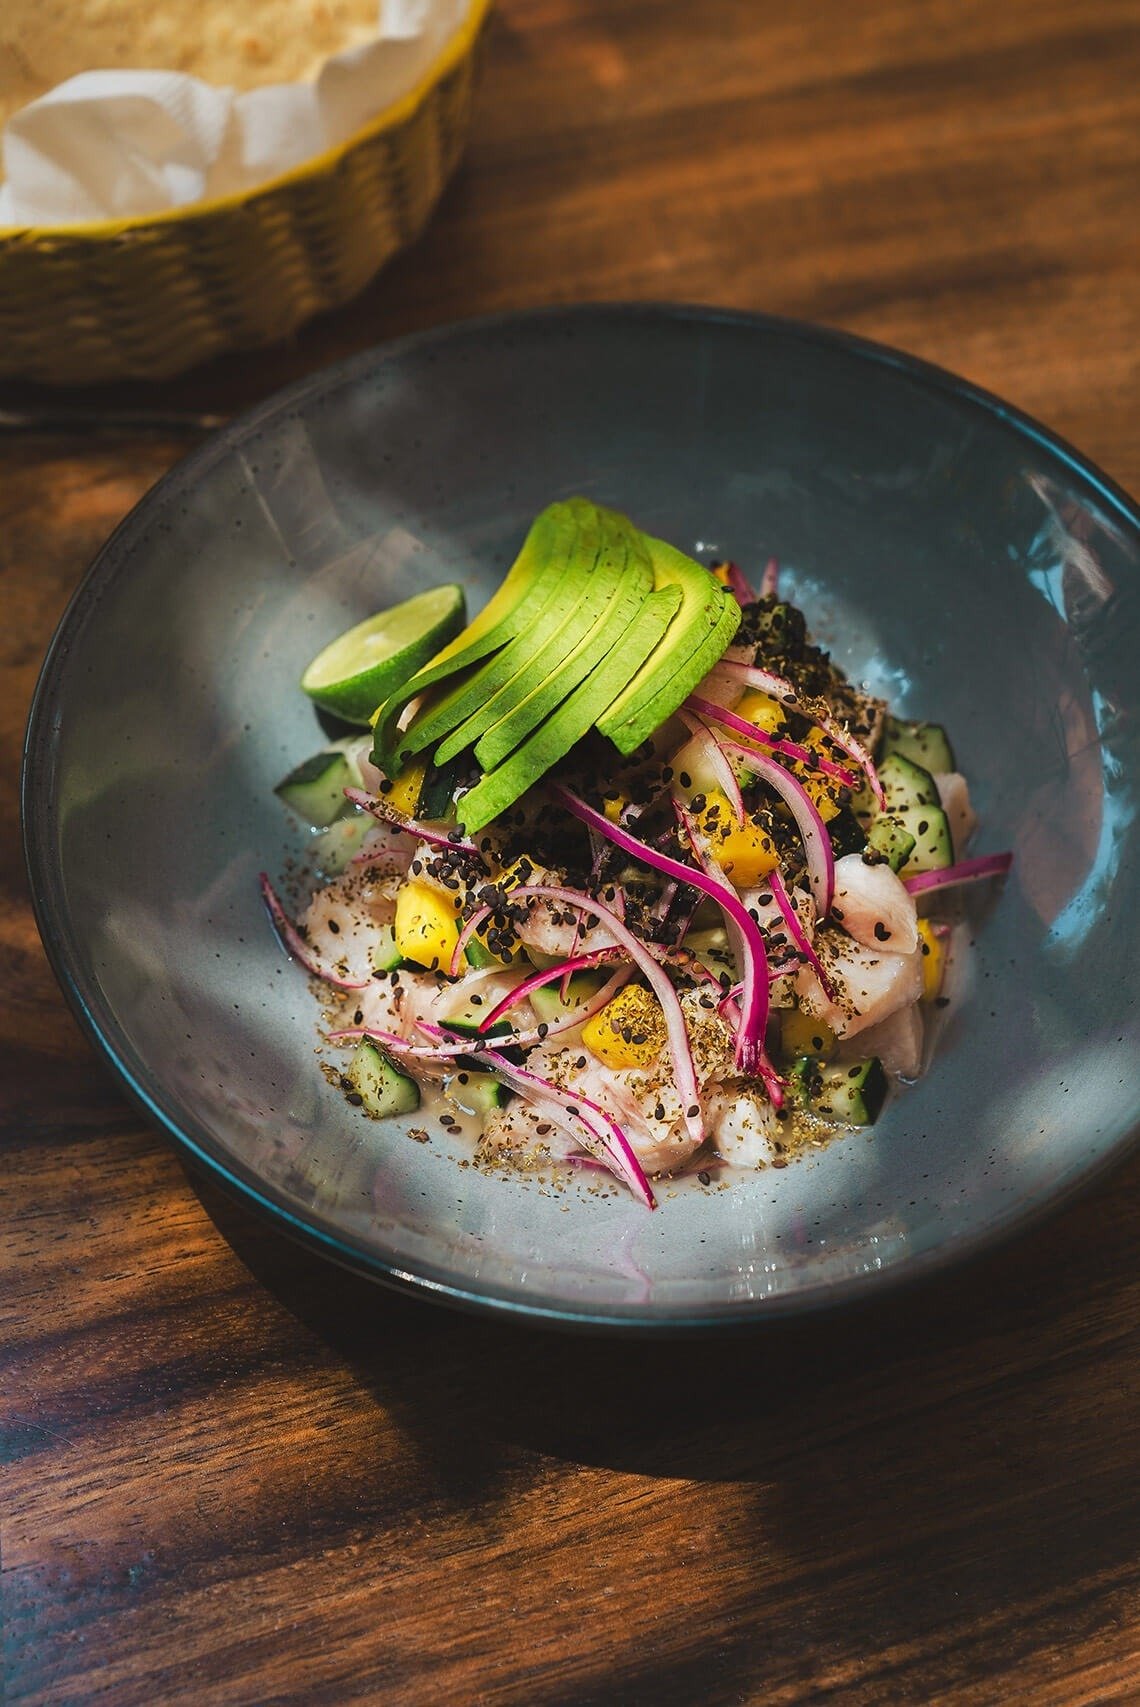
(233, 1475)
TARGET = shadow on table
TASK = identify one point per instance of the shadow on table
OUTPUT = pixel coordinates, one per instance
(935, 1446)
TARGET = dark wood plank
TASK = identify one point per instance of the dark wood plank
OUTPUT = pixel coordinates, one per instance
(233, 1475)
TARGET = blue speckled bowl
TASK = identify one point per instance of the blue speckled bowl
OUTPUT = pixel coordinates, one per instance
(949, 550)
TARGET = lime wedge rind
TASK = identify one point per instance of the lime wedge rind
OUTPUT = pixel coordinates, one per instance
(357, 671)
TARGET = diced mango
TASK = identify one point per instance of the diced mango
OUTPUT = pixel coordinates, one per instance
(933, 960)
(427, 926)
(762, 710)
(629, 1031)
(404, 794)
(613, 806)
(745, 852)
(801, 1035)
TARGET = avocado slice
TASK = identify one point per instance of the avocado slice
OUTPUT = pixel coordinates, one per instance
(706, 620)
(593, 575)
(510, 610)
(616, 608)
(577, 559)
(552, 740)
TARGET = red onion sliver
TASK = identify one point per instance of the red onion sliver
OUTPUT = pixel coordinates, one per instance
(966, 871)
(770, 580)
(798, 934)
(775, 743)
(375, 804)
(402, 1045)
(684, 1072)
(464, 938)
(578, 963)
(813, 830)
(717, 761)
(738, 586)
(750, 1021)
(750, 1038)
(779, 688)
(296, 945)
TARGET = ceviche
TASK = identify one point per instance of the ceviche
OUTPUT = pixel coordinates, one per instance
(624, 873)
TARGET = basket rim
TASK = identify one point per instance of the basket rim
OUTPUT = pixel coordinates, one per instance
(457, 48)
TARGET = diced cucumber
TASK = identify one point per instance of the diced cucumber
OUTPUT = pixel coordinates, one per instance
(383, 1091)
(852, 1092)
(384, 954)
(905, 783)
(933, 842)
(315, 790)
(927, 744)
(476, 1093)
(547, 1001)
(886, 836)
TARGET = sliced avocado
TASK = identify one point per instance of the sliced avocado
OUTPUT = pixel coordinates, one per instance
(926, 743)
(445, 714)
(509, 610)
(541, 655)
(704, 625)
(617, 610)
(499, 788)
(905, 783)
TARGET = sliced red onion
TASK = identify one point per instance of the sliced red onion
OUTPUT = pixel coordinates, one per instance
(464, 938)
(738, 584)
(754, 968)
(966, 871)
(296, 945)
(591, 1163)
(798, 934)
(813, 831)
(684, 1072)
(775, 743)
(375, 804)
(578, 963)
(770, 580)
(750, 1053)
(780, 688)
(717, 760)
(594, 1121)
(402, 1045)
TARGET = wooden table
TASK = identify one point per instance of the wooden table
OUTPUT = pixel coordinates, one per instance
(234, 1475)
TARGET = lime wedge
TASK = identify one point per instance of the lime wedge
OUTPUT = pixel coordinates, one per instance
(359, 670)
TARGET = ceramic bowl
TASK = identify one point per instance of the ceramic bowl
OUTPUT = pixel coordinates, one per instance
(951, 553)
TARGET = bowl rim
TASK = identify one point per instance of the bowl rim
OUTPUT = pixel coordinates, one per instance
(97, 231)
(37, 803)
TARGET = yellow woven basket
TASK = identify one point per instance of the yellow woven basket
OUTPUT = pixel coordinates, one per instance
(151, 296)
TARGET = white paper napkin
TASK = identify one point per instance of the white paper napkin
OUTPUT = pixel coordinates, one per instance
(113, 144)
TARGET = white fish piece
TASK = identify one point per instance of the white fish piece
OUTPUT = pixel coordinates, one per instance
(341, 919)
(742, 1124)
(954, 793)
(630, 1095)
(524, 1134)
(874, 906)
(870, 983)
